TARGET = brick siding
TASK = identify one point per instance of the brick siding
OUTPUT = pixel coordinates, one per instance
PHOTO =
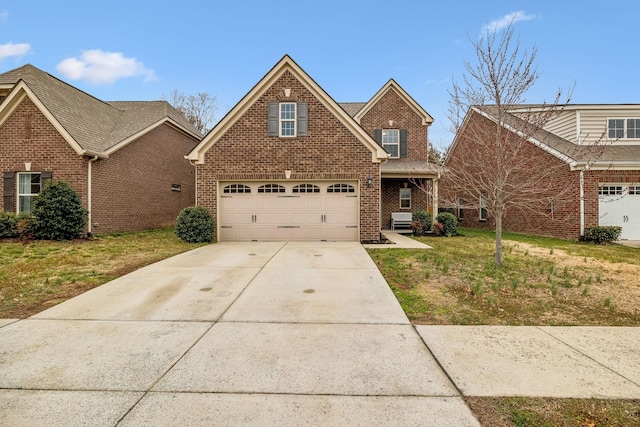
(329, 152)
(131, 189)
(564, 221)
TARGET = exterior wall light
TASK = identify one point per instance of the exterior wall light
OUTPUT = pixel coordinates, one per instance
(369, 181)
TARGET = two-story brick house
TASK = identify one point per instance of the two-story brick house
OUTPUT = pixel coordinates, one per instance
(125, 159)
(289, 163)
(593, 154)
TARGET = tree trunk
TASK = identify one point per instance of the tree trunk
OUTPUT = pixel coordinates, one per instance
(498, 258)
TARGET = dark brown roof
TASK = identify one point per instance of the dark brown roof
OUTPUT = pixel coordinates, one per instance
(94, 124)
(352, 108)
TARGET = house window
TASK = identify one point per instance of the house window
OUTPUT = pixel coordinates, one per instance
(624, 128)
(633, 128)
(483, 208)
(460, 209)
(391, 142)
(288, 119)
(29, 186)
(405, 198)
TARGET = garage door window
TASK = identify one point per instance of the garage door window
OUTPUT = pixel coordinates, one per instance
(236, 188)
(341, 188)
(271, 188)
(306, 188)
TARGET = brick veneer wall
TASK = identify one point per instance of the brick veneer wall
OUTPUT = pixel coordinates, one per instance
(391, 199)
(28, 136)
(330, 152)
(132, 188)
(565, 221)
(392, 107)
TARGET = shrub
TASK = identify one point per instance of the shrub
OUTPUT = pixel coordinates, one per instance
(24, 226)
(8, 222)
(58, 213)
(194, 224)
(449, 223)
(424, 217)
(602, 234)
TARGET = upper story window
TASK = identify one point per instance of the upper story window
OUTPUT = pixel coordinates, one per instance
(394, 141)
(29, 186)
(623, 128)
(287, 119)
(391, 142)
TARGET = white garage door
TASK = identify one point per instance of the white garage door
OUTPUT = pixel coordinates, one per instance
(619, 204)
(286, 211)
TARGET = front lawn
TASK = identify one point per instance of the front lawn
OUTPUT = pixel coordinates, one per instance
(37, 275)
(543, 281)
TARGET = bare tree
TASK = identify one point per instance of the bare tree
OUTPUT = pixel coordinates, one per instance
(199, 109)
(489, 165)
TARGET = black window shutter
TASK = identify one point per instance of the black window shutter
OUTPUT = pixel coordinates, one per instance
(8, 193)
(44, 177)
(273, 119)
(302, 115)
(403, 143)
(378, 136)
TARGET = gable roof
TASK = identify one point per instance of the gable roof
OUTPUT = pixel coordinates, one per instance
(598, 157)
(392, 85)
(286, 64)
(91, 126)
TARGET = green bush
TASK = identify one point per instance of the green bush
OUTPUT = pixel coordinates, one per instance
(424, 217)
(58, 213)
(602, 234)
(8, 222)
(448, 222)
(194, 225)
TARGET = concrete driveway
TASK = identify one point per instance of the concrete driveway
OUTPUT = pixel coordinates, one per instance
(229, 334)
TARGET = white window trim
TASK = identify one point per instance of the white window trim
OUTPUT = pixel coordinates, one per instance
(396, 144)
(294, 120)
(624, 127)
(19, 194)
(407, 191)
(483, 207)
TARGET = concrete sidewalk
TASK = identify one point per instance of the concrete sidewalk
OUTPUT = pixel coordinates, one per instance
(282, 334)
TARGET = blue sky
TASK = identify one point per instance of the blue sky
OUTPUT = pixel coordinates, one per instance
(129, 50)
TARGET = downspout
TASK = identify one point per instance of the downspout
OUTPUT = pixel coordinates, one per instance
(581, 202)
(89, 207)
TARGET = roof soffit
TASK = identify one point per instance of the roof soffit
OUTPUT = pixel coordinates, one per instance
(285, 64)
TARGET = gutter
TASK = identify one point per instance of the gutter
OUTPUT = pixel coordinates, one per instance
(89, 176)
(581, 202)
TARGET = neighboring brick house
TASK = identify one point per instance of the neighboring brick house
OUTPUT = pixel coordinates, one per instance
(593, 152)
(289, 163)
(125, 159)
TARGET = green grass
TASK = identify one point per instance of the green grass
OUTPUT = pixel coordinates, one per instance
(38, 274)
(457, 282)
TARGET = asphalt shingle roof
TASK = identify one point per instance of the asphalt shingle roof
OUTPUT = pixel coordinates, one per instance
(94, 124)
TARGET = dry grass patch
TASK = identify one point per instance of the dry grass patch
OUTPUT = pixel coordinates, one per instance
(542, 281)
(37, 275)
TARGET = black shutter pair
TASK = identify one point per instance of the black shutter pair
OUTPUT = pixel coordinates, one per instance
(9, 190)
(403, 141)
(301, 118)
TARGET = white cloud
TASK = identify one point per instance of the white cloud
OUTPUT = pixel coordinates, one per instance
(505, 21)
(98, 67)
(14, 49)
(4, 14)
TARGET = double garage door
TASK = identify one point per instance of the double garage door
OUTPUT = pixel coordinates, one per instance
(287, 211)
(619, 204)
